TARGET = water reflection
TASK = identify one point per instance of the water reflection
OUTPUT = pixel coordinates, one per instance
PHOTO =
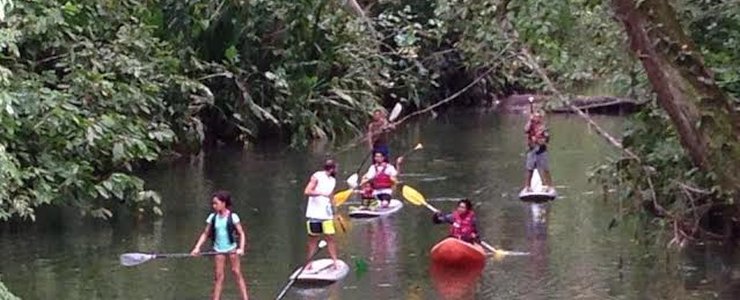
(454, 284)
(383, 237)
(536, 235)
(63, 256)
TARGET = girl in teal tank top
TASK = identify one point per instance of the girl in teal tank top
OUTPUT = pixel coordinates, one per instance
(227, 235)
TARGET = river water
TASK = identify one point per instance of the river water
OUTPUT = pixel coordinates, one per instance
(574, 254)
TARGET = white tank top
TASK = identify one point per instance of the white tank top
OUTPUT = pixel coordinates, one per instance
(319, 207)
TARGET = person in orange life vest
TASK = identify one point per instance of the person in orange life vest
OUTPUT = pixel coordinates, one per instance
(223, 224)
(537, 158)
(320, 211)
(464, 224)
(382, 176)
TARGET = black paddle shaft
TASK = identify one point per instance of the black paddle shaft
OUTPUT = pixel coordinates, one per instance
(292, 280)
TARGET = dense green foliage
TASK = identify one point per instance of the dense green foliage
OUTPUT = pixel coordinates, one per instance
(666, 183)
(90, 89)
(93, 89)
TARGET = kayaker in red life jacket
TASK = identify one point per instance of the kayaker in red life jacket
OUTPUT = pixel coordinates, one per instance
(382, 177)
(463, 221)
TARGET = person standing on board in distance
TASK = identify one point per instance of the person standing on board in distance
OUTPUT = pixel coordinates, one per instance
(382, 176)
(464, 224)
(319, 210)
(537, 158)
(222, 226)
(377, 132)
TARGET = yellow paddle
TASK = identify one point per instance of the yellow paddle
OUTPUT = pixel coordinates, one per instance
(341, 197)
(416, 198)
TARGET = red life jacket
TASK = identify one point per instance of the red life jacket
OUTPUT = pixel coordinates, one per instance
(463, 227)
(382, 180)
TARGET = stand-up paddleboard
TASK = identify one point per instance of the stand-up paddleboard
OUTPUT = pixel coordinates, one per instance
(393, 206)
(322, 272)
(538, 193)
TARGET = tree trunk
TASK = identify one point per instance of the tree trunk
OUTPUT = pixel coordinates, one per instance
(703, 115)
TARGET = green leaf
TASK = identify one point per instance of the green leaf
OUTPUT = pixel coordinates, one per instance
(231, 54)
(118, 152)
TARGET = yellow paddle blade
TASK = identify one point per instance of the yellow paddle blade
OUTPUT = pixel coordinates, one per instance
(498, 256)
(412, 195)
(341, 197)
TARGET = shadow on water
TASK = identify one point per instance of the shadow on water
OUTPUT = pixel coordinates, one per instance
(573, 255)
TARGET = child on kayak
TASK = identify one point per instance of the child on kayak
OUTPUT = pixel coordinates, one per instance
(463, 221)
(222, 226)
(367, 195)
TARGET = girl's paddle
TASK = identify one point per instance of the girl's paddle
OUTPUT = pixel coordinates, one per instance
(133, 259)
(322, 244)
(416, 198)
(531, 105)
(418, 146)
(352, 179)
(343, 196)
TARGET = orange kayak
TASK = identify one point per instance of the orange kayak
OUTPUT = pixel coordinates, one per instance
(458, 254)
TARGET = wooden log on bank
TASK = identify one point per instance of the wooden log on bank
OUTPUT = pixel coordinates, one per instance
(590, 104)
(601, 105)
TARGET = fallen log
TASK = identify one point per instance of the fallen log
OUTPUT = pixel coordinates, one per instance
(590, 104)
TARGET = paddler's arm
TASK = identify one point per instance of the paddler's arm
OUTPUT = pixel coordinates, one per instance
(310, 188)
(439, 218)
(370, 135)
(399, 161)
(201, 240)
(242, 238)
(368, 176)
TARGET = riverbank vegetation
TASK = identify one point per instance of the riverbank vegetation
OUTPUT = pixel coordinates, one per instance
(92, 90)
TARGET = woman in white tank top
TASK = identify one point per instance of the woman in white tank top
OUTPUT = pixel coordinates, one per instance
(319, 210)
(319, 204)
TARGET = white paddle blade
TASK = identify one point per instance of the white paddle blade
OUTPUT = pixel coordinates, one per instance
(322, 244)
(133, 259)
(352, 181)
(395, 112)
(419, 146)
(531, 100)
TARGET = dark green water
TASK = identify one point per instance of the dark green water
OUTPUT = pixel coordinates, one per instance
(574, 256)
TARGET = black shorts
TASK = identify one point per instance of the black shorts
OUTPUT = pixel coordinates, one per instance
(383, 197)
(318, 227)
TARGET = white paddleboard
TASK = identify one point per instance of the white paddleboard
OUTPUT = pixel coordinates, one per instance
(538, 193)
(322, 271)
(393, 206)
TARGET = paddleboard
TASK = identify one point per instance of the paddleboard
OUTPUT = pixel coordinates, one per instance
(537, 193)
(322, 272)
(393, 206)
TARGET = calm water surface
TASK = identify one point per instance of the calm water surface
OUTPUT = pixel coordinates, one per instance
(574, 255)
